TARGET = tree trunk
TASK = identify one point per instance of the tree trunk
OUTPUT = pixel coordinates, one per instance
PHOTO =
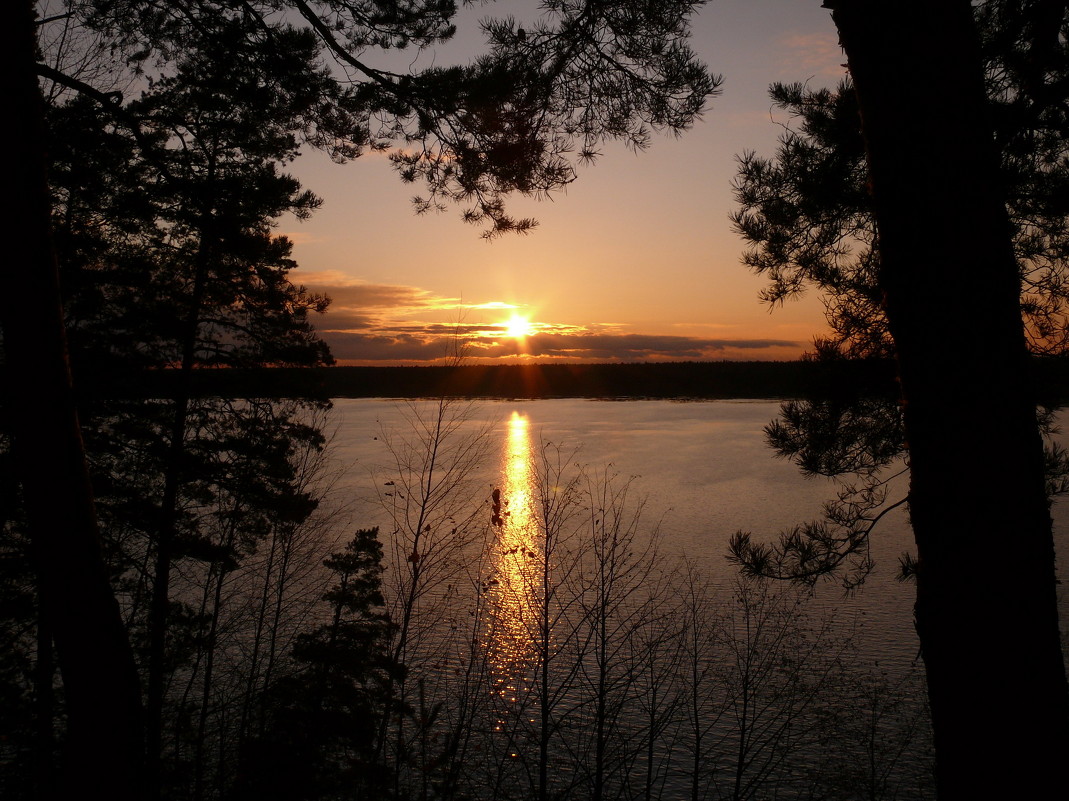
(211, 642)
(986, 611)
(104, 740)
(159, 610)
(44, 675)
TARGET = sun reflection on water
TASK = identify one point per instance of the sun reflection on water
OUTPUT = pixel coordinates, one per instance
(516, 561)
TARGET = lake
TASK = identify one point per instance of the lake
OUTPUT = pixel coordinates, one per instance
(701, 469)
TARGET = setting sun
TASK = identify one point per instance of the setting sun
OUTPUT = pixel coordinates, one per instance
(518, 327)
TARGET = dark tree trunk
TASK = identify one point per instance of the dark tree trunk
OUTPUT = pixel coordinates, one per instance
(101, 688)
(159, 613)
(986, 611)
(44, 710)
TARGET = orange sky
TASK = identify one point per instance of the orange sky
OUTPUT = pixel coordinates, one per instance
(636, 261)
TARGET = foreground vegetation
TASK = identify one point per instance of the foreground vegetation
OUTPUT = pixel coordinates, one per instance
(482, 647)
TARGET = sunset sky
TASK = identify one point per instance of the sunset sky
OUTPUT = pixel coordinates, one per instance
(636, 261)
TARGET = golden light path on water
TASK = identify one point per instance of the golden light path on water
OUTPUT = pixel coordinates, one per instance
(512, 618)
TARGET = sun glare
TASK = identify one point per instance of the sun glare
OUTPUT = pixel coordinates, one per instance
(518, 327)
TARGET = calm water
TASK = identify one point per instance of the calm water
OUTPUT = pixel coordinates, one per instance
(703, 472)
(702, 467)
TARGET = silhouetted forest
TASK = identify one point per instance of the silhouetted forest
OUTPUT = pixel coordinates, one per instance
(674, 380)
(682, 380)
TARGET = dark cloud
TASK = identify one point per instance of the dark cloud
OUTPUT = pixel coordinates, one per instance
(345, 320)
(353, 347)
(428, 343)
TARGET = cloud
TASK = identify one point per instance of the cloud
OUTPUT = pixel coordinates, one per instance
(413, 344)
(496, 304)
(623, 347)
(371, 323)
(354, 348)
(345, 320)
(816, 54)
(348, 294)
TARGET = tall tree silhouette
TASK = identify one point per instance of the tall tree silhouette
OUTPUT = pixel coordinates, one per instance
(170, 262)
(989, 638)
(100, 681)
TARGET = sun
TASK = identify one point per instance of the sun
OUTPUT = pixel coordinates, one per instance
(518, 327)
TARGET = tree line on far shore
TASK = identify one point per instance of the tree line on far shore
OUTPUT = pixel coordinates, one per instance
(642, 380)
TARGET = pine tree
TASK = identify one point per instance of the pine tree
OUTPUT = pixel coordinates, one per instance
(949, 282)
(320, 736)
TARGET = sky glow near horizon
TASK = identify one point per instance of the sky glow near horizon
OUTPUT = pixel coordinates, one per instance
(636, 261)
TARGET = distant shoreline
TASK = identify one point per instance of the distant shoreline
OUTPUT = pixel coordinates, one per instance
(674, 380)
(661, 381)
